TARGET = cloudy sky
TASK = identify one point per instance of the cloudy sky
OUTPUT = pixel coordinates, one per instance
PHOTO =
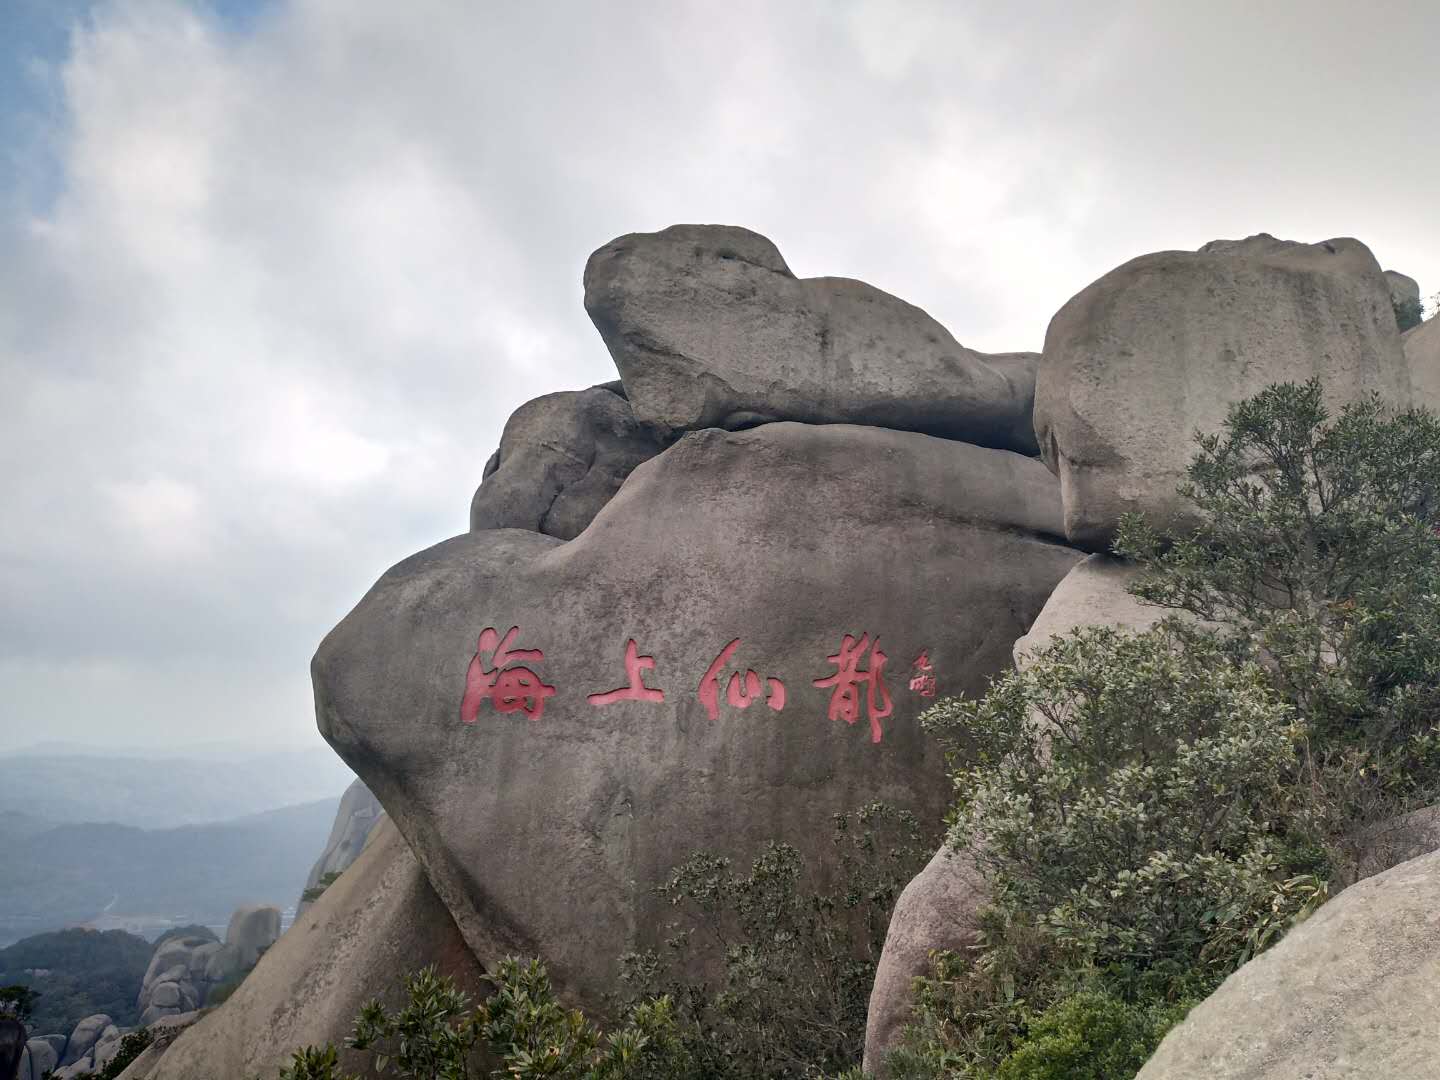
(274, 272)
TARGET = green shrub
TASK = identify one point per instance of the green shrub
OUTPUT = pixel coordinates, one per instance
(1090, 1035)
(1319, 553)
(1151, 810)
(795, 962)
(317, 890)
(1409, 313)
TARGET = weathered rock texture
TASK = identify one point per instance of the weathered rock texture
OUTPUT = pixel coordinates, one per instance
(762, 551)
(1422, 356)
(709, 327)
(1351, 994)
(939, 909)
(1402, 287)
(1094, 593)
(40, 1058)
(252, 930)
(356, 818)
(185, 970)
(163, 1032)
(1161, 346)
(562, 457)
(380, 921)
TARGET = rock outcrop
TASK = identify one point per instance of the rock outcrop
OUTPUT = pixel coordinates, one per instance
(1351, 994)
(186, 970)
(41, 1058)
(1094, 593)
(938, 910)
(734, 650)
(355, 820)
(1422, 357)
(562, 457)
(82, 1040)
(709, 328)
(1161, 346)
(1403, 288)
(380, 921)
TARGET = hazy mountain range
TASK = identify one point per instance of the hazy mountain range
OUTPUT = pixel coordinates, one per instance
(61, 783)
(187, 834)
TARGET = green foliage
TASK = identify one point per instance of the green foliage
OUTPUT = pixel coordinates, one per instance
(1409, 312)
(794, 963)
(315, 1063)
(437, 1035)
(1123, 792)
(1152, 810)
(1090, 1035)
(1319, 554)
(88, 972)
(131, 1046)
(18, 1001)
(314, 893)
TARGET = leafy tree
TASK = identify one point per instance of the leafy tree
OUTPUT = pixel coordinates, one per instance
(87, 972)
(18, 1001)
(1319, 554)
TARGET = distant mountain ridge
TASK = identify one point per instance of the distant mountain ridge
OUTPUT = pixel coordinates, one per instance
(162, 792)
(71, 873)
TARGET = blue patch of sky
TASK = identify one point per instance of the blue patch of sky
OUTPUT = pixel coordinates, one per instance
(34, 44)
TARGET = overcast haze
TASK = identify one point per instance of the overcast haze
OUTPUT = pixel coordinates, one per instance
(273, 275)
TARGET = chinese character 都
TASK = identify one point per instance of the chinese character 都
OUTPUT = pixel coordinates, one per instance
(510, 689)
(738, 692)
(636, 690)
(845, 695)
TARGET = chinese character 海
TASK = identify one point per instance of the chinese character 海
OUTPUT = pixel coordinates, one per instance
(510, 689)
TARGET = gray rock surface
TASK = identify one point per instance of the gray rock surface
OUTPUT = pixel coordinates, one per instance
(163, 1032)
(106, 1047)
(40, 1058)
(379, 922)
(1402, 286)
(1094, 593)
(356, 818)
(179, 976)
(1422, 357)
(1351, 994)
(545, 822)
(252, 930)
(938, 910)
(561, 458)
(709, 327)
(82, 1040)
(1161, 346)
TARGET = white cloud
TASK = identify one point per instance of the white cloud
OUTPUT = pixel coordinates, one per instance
(294, 280)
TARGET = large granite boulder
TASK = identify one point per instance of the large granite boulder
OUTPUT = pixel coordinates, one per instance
(709, 327)
(380, 921)
(561, 458)
(1161, 346)
(252, 930)
(1351, 994)
(1095, 593)
(939, 910)
(734, 650)
(182, 972)
(83, 1039)
(356, 818)
(1422, 356)
(1403, 288)
(40, 1058)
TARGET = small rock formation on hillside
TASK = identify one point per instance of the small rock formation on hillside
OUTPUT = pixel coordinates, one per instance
(379, 921)
(89, 1047)
(355, 820)
(1160, 347)
(1352, 992)
(709, 328)
(186, 970)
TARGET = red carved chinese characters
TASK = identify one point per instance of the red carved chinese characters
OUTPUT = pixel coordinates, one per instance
(845, 683)
(739, 692)
(923, 679)
(635, 665)
(510, 689)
